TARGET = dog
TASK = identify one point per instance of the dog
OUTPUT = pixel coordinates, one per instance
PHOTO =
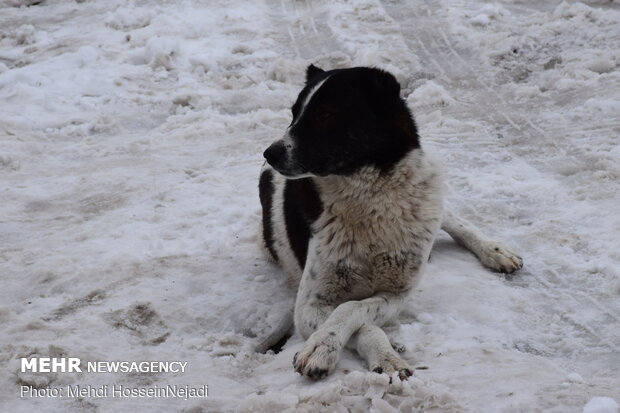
(351, 205)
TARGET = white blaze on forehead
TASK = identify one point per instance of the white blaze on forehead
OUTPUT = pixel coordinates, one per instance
(306, 101)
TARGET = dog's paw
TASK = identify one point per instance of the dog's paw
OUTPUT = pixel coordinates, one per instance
(499, 258)
(318, 358)
(391, 363)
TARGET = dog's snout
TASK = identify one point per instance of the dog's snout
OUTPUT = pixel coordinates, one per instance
(275, 153)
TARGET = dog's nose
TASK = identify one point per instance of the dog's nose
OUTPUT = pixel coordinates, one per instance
(275, 153)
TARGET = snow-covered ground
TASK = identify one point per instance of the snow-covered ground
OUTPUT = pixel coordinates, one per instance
(131, 138)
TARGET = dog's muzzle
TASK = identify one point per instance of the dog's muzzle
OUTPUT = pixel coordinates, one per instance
(276, 155)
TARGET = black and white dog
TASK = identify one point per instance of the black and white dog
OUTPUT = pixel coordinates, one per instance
(351, 206)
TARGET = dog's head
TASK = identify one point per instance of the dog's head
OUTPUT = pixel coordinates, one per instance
(344, 120)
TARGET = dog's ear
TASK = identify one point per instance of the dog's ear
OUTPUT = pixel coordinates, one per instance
(386, 83)
(313, 71)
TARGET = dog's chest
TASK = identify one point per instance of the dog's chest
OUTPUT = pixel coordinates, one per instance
(373, 235)
(373, 245)
(352, 230)
(357, 224)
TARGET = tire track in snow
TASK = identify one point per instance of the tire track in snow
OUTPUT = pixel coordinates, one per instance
(306, 37)
(424, 33)
(482, 100)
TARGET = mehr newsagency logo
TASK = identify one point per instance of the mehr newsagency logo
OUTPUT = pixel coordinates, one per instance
(75, 365)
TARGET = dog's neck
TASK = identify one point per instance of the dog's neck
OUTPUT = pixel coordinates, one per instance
(371, 181)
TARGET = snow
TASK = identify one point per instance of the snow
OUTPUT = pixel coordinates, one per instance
(132, 135)
(575, 378)
(429, 94)
(601, 405)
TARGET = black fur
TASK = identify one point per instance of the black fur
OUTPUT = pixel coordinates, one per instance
(313, 71)
(265, 191)
(302, 206)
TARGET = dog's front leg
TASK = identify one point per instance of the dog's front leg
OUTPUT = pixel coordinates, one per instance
(320, 354)
(371, 342)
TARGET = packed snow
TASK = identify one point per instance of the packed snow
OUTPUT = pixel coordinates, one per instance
(132, 137)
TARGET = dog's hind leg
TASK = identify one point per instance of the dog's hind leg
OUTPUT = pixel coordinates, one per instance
(322, 349)
(491, 254)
